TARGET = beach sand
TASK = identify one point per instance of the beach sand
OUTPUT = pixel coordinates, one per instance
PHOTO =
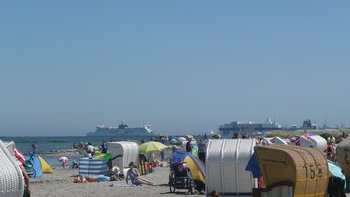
(60, 183)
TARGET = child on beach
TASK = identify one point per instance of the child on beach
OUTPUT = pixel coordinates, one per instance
(134, 176)
(64, 161)
(74, 165)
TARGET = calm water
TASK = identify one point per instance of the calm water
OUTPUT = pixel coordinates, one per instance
(46, 144)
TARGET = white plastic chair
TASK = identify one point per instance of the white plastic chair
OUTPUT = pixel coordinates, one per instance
(11, 178)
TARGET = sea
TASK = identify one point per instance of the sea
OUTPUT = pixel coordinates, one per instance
(48, 144)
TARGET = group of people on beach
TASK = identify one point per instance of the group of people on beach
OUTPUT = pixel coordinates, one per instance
(87, 149)
(114, 175)
(201, 148)
(132, 175)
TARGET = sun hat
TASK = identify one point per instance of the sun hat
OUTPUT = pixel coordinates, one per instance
(116, 169)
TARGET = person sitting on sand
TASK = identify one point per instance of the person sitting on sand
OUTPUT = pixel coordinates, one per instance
(114, 173)
(74, 165)
(134, 176)
(64, 161)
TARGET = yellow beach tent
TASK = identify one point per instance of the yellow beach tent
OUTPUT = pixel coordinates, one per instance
(45, 167)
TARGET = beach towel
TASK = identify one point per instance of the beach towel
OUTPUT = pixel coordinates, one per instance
(122, 185)
(253, 166)
(102, 178)
(33, 165)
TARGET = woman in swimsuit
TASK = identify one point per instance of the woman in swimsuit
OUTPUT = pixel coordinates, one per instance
(134, 176)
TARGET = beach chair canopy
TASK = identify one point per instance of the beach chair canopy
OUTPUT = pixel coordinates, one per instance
(318, 142)
(129, 152)
(305, 168)
(278, 140)
(226, 161)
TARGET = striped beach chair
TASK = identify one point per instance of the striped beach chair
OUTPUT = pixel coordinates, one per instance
(92, 167)
(11, 178)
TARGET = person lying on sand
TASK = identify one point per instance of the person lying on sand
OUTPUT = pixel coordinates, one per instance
(100, 178)
(134, 176)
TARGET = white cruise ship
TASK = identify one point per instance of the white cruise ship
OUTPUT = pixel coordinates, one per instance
(248, 127)
(121, 131)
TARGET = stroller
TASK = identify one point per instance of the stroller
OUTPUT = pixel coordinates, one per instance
(180, 178)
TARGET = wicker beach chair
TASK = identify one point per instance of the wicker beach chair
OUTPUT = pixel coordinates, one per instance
(11, 178)
(10, 145)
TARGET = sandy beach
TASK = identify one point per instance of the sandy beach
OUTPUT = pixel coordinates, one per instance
(60, 183)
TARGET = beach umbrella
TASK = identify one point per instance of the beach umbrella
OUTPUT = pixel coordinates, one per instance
(151, 147)
(181, 139)
(173, 141)
(335, 170)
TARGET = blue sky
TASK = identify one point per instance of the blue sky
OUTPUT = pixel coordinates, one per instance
(183, 67)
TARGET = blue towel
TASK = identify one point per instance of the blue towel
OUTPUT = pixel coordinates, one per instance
(253, 166)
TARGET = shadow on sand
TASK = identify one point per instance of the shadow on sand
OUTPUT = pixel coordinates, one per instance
(180, 193)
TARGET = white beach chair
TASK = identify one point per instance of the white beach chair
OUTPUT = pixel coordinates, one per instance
(10, 145)
(11, 178)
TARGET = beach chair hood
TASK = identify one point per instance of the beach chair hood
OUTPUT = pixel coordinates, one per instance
(305, 168)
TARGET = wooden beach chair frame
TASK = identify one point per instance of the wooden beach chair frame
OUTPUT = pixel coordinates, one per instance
(306, 168)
